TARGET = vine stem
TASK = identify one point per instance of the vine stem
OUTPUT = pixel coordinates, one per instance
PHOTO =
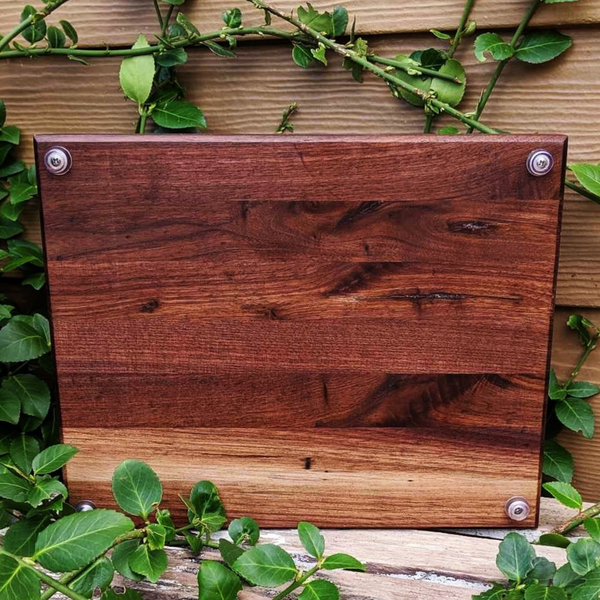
(590, 347)
(514, 44)
(158, 14)
(364, 62)
(166, 20)
(461, 27)
(577, 520)
(288, 590)
(398, 65)
(581, 190)
(48, 9)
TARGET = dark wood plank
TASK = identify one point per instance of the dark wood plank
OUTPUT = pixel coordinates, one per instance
(490, 403)
(378, 307)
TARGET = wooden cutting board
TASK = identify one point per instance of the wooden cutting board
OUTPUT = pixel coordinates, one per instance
(348, 330)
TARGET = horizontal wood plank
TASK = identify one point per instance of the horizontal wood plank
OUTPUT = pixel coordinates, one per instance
(416, 473)
(330, 102)
(119, 22)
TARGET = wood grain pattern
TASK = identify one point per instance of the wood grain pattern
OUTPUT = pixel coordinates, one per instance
(337, 332)
(365, 477)
(235, 99)
(120, 21)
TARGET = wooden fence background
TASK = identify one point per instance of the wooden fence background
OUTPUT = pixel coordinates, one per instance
(248, 94)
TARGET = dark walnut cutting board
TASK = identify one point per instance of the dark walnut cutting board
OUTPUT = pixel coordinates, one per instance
(347, 330)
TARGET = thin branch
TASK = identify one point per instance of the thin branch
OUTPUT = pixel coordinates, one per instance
(581, 190)
(461, 27)
(403, 67)
(577, 520)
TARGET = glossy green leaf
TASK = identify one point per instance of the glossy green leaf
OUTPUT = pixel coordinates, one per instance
(542, 46)
(10, 134)
(494, 45)
(163, 517)
(582, 389)
(565, 576)
(577, 415)
(266, 565)
(588, 176)
(584, 555)
(592, 526)
(37, 30)
(555, 540)
(343, 561)
(229, 552)
(10, 406)
(319, 54)
(74, 541)
(23, 449)
(98, 576)
(21, 536)
(589, 588)
(70, 31)
(178, 114)
(137, 74)
(588, 332)
(12, 486)
(302, 55)
(540, 592)
(17, 582)
(496, 592)
(56, 37)
(440, 35)
(542, 571)
(565, 493)
(150, 563)
(219, 50)
(187, 25)
(120, 558)
(136, 488)
(558, 461)
(447, 91)
(232, 17)
(321, 22)
(172, 57)
(126, 595)
(515, 557)
(22, 339)
(53, 458)
(217, 582)
(8, 229)
(339, 17)
(157, 536)
(46, 490)
(205, 508)
(32, 392)
(36, 281)
(320, 589)
(244, 530)
(311, 539)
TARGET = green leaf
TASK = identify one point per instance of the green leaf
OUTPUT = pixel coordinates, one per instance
(12, 168)
(22, 339)
(11, 212)
(582, 389)
(13, 487)
(194, 541)
(150, 563)
(23, 450)
(565, 576)
(205, 509)
(447, 91)
(10, 406)
(120, 558)
(5, 311)
(70, 31)
(266, 565)
(449, 130)
(339, 18)
(588, 176)
(74, 541)
(187, 24)
(320, 589)
(543, 570)
(98, 576)
(157, 536)
(219, 50)
(497, 592)
(321, 22)
(515, 557)
(577, 415)
(47, 489)
(558, 462)
(163, 517)
(565, 493)
(232, 17)
(493, 44)
(244, 529)
(343, 561)
(583, 555)
(229, 552)
(415, 80)
(2, 113)
(10, 134)
(302, 55)
(589, 589)
(36, 281)
(32, 392)
(56, 38)
(172, 57)
(9, 229)
(127, 595)
(541, 46)
(137, 73)
(21, 536)
(311, 538)
(555, 540)
(53, 458)
(217, 582)
(440, 35)
(178, 114)
(540, 592)
(592, 526)
(37, 30)
(319, 54)
(136, 488)
(17, 582)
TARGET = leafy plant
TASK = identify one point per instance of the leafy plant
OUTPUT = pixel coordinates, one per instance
(86, 549)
